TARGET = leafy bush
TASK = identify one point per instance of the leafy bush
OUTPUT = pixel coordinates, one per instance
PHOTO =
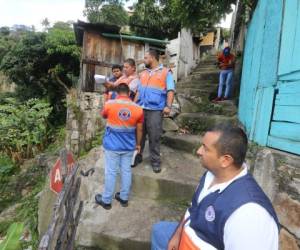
(23, 130)
(6, 165)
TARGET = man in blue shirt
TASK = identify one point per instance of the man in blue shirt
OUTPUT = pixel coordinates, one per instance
(155, 95)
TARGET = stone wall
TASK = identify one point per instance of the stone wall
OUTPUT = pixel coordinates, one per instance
(83, 120)
(278, 173)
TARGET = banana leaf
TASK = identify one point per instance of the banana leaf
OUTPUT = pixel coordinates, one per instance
(12, 239)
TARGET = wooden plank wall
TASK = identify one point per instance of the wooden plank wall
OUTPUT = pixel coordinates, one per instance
(285, 126)
(100, 53)
(270, 89)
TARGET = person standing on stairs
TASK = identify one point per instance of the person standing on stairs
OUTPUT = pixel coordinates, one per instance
(226, 61)
(123, 135)
(155, 95)
(229, 210)
(129, 77)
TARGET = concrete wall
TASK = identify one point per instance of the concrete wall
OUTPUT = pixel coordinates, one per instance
(183, 54)
(278, 174)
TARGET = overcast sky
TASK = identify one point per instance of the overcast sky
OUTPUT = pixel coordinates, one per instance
(32, 12)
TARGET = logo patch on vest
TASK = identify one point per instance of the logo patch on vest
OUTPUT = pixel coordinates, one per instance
(124, 114)
(210, 214)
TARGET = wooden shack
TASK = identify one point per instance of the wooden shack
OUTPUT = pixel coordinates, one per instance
(103, 45)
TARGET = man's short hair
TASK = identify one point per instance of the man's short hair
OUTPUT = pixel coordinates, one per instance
(130, 61)
(232, 141)
(117, 66)
(123, 88)
(154, 53)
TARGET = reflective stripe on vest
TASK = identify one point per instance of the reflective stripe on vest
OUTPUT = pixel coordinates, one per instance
(155, 80)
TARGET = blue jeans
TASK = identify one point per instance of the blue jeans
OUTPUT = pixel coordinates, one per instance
(225, 79)
(115, 161)
(161, 234)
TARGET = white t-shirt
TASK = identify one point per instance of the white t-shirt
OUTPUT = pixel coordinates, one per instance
(249, 227)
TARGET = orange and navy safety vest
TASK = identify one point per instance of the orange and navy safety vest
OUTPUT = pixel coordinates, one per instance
(122, 116)
(153, 89)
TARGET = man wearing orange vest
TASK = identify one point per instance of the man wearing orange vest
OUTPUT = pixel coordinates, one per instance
(229, 211)
(123, 134)
(129, 77)
(155, 95)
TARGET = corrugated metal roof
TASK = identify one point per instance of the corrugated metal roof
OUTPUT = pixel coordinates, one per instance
(81, 26)
(111, 31)
(137, 38)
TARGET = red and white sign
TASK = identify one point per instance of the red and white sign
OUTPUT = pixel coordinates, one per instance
(56, 179)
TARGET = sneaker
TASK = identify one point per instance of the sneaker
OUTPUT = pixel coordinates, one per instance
(122, 202)
(137, 160)
(98, 199)
(156, 168)
(218, 99)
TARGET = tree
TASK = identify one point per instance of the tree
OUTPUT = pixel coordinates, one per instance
(4, 31)
(45, 23)
(201, 15)
(164, 18)
(109, 12)
(44, 65)
(6, 41)
(154, 19)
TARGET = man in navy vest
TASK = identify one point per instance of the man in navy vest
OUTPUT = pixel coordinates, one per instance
(229, 210)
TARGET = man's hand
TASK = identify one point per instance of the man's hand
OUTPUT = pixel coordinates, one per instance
(174, 242)
(138, 148)
(166, 111)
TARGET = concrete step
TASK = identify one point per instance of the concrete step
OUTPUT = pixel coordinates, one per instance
(183, 142)
(197, 123)
(208, 61)
(213, 75)
(154, 197)
(197, 85)
(208, 67)
(123, 228)
(198, 92)
(187, 83)
(190, 104)
(176, 181)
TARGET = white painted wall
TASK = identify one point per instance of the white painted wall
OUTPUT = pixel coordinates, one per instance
(183, 54)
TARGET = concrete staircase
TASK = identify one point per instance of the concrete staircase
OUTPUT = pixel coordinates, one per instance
(155, 197)
(198, 113)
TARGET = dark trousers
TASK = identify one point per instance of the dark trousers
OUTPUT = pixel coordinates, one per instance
(153, 128)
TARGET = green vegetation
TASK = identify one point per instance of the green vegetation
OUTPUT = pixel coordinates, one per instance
(102, 11)
(153, 20)
(29, 182)
(163, 19)
(159, 18)
(24, 128)
(42, 65)
(21, 185)
(12, 239)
